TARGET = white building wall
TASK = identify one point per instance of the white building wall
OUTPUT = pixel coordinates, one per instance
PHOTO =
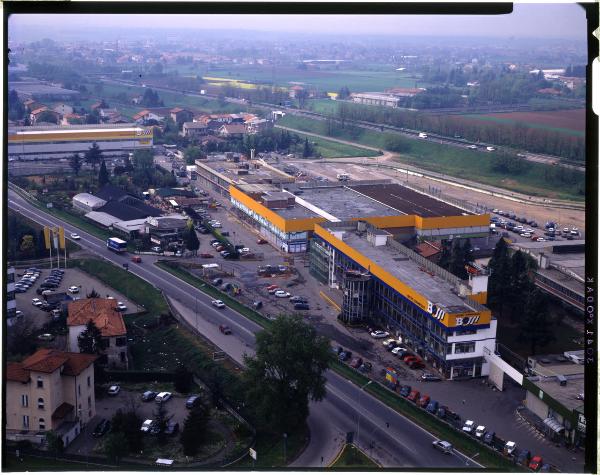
(33, 151)
(74, 332)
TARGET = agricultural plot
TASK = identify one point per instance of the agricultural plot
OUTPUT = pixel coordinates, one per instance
(327, 80)
(571, 122)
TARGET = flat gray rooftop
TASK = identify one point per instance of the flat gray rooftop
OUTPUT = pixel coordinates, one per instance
(296, 212)
(344, 203)
(566, 395)
(434, 288)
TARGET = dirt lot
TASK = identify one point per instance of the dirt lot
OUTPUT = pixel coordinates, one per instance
(72, 277)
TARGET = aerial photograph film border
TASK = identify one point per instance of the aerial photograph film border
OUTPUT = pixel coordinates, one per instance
(167, 295)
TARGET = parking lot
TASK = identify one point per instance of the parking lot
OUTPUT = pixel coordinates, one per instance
(72, 277)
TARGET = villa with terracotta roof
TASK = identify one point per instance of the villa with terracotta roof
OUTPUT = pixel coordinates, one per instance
(142, 117)
(49, 390)
(109, 321)
(180, 115)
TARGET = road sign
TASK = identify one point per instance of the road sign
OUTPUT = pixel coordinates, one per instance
(252, 453)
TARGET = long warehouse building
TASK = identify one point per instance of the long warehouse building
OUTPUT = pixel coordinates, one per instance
(55, 142)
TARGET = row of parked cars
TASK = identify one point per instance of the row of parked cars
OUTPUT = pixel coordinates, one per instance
(299, 302)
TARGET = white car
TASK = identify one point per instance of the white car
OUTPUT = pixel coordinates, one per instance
(114, 390)
(47, 292)
(163, 397)
(479, 432)
(156, 249)
(73, 289)
(388, 341)
(19, 314)
(396, 351)
(379, 334)
(75, 236)
(121, 307)
(468, 427)
(510, 447)
(525, 235)
(444, 446)
(147, 425)
(472, 147)
(36, 302)
(216, 225)
(218, 303)
(245, 249)
(282, 294)
(490, 149)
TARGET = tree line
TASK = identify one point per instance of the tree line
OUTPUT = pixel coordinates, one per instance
(513, 135)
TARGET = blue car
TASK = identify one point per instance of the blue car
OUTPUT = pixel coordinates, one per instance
(432, 407)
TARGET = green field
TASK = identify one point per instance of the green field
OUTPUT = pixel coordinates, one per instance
(329, 80)
(330, 149)
(451, 161)
(533, 125)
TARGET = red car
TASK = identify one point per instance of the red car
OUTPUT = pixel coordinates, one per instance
(136, 259)
(409, 359)
(225, 329)
(536, 463)
(205, 254)
(356, 362)
(414, 395)
(272, 287)
(423, 400)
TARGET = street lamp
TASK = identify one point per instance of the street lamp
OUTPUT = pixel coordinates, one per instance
(359, 413)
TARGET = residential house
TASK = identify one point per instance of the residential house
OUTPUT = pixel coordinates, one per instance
(404, 91)
(50, 390)
(143, 117)
(165, 229)
(430, 250)
(37, 113)
(258, 125)
(106, 114)
(194, 129)
(63, 109)
(109, 321)
(294, 90)
(232, 130)
(96, 105)
(72, 119)
(180, 115)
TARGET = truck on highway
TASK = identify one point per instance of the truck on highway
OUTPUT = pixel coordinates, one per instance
(116, 244)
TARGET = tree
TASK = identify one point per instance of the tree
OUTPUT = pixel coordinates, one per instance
(93, 155)
(194, 430)
(90, 340)
(103, 177)
(444, 261)
(183, 379)
(499, 282)
(286, 372)
(302, 96)
(307, 150)
(47, 116)
(457, 260)
(521, 284)
(16, 109)
(128, 423)
(467, 251)
(192, 154)
(55, 443)
(343, 93)
(191, 239)
(537, 327)
(93, 294)
(27, 246)
(75, 162)
(161, 419)
(115, 446)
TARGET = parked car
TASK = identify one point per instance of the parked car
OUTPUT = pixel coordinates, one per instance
(148, 426)
(261, 241)
(423, 400)
(172, 428)
(148, 396)
(345, 355)
(192, 401)
(510, 447)
(442, 412)
(432, 407)
(156, 249)
(101, 428)
(218, 304)
(217, 281)
(356, 362)
(398, 350)
(546, 468)
(405, 390)
(225, 329)
(121, 307)
(414, 395)
(488, 437)
(479, 431)
(365, 367)
(337, 349)
(205, 255)
(298, 299)
(36, 302)
(282, 294)
(524, 457)
(430, 377)
(468, 426)
(445, 447)
(257, 304)
(163, 397)
(536, 463)
(114, 390)
(379, 334)
(301, 306)
(46, 337)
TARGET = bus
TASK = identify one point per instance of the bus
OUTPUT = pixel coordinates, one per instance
(116, 244)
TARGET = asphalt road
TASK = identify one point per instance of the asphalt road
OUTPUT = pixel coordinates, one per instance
(345, 408)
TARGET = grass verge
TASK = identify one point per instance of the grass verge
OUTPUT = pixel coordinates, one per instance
(352, 457)
(330, 149)
(30, 463)
(270, 450)
(468, 446)
(130, 285)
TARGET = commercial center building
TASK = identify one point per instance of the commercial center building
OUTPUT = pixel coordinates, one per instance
(55, 142)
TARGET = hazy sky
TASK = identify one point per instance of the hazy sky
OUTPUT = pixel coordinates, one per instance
(526, 21)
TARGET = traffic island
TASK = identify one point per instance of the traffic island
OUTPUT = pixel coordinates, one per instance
(352, 457)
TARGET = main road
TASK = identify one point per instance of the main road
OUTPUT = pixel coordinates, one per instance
(390, 438)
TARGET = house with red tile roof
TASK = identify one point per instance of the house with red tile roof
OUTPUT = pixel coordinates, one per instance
(232, 130)
(37, 113)
(180, 115)
(104, 314)
(144, 116)
(50, 390)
